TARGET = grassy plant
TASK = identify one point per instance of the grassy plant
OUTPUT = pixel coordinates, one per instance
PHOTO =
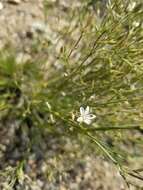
(100, 68)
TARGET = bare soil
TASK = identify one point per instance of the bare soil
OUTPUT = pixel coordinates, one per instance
(57, 164)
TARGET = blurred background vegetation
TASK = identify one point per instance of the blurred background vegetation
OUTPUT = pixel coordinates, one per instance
(95, 59)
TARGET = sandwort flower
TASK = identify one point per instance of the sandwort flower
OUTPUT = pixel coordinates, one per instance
(85, 116)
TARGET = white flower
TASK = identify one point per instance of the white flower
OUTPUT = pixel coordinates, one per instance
(85, 116)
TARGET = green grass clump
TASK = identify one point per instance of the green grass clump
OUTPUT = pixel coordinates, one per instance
(101, 68)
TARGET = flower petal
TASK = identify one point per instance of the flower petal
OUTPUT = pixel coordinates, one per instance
(82, 110)
(80, 119)
(87, 110)
(92, 116)
(87, 121)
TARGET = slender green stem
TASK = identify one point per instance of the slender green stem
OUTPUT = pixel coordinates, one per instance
(99, 144)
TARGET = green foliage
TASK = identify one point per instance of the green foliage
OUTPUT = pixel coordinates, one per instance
(107, 76)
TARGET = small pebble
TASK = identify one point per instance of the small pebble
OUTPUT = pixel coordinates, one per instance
(16, 2)
(1, 6)
(23, 58)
